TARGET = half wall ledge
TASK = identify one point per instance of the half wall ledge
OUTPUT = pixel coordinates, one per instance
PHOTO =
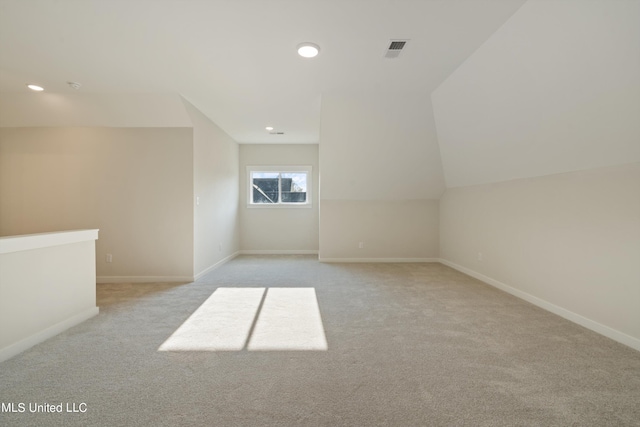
(47, 285)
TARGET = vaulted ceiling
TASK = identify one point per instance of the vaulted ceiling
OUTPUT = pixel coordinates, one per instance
(236, 60)
(508, 88)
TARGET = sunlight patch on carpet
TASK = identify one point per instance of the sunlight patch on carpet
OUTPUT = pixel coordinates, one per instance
(289, 320)
(222, 322)
(233, 319)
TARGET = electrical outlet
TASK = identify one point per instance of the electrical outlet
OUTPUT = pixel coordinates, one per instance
(109, 258)
(480, 256)
(360, 245)
(220, 247)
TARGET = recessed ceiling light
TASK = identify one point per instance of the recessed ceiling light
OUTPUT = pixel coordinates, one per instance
(269, 128)
(308, 50)
(35, 87)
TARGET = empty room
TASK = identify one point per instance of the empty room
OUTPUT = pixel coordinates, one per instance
(320, 212)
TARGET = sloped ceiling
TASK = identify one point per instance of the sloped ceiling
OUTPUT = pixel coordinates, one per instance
(235, 60)
(556, 89)
(379, 146)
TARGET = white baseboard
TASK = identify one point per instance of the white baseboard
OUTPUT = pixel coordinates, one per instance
(144, 279)
(562, 312)
(216, 265)
(26, 343)
(164, 279)
(279, 252)
(388, 260)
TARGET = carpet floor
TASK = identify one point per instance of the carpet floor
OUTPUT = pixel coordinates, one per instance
(406, 345)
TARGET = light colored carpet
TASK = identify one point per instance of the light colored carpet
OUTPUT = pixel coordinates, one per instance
(407, 345)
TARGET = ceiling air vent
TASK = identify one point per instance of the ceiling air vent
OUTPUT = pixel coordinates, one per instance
(394, 48)
(276, 133)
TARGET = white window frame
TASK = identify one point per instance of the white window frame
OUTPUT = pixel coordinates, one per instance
(281, 169)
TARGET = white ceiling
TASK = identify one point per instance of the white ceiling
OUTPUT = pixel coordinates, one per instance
(235, 60)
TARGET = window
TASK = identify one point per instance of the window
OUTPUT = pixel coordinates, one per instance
(279, 186)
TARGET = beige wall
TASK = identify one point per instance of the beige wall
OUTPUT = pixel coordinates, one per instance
(534, 130)
(134, 184)
(216, 231)
(568, 242)
(381, 177)
(278, 229)
(388, 230)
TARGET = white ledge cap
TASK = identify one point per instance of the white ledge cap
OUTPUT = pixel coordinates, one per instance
(27, 242)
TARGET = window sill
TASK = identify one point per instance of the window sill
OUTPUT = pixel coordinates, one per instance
(279, 205)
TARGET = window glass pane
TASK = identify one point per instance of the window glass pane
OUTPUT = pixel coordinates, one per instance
(265, 187)
(294, 187)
